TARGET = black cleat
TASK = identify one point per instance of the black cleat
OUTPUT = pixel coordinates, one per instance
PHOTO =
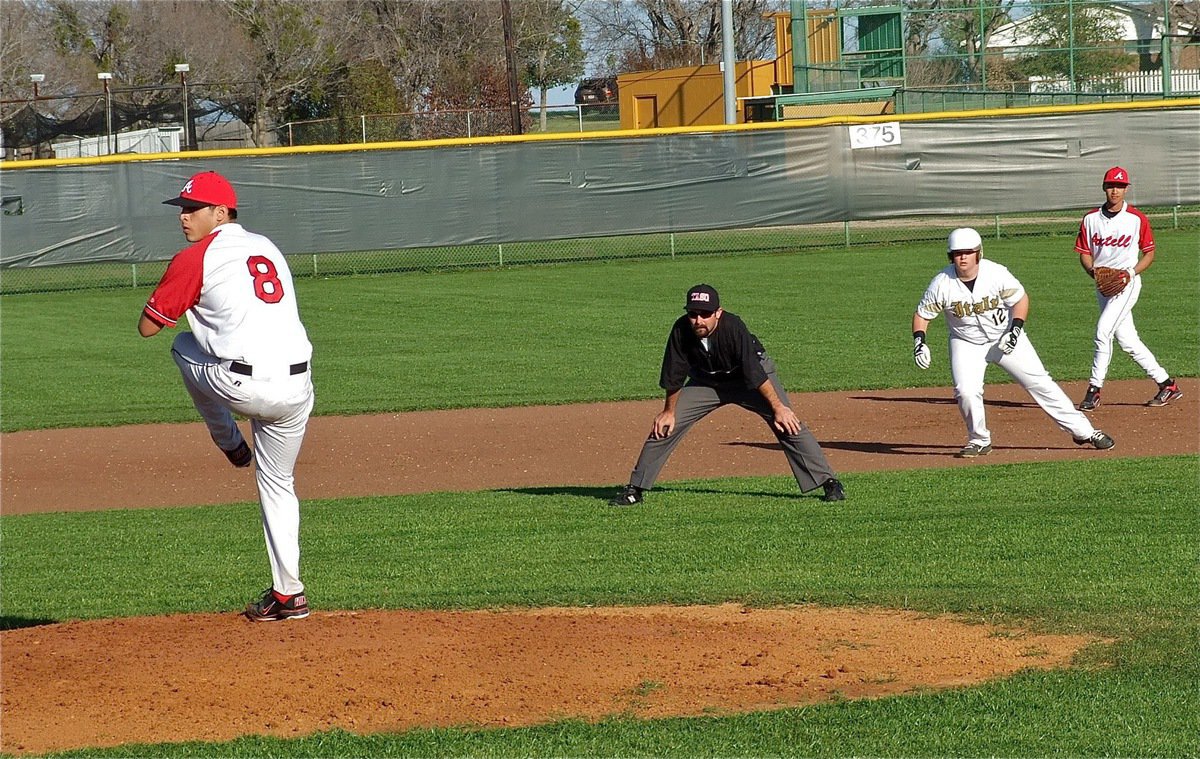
(1098, 439)
(1167, 391)
(270, 609)
(834, 490)
(240, 456)
(628, 496)
(973, 450)
(1091, 399)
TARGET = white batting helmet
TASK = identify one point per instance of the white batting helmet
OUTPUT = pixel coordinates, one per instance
(964, 238)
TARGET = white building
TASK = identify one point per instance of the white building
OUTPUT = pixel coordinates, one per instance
(155, 140)
(1141, 29)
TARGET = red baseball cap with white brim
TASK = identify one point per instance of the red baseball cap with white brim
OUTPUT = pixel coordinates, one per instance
(208, 188)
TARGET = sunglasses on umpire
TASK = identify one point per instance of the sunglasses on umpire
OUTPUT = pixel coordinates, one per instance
(700, 314)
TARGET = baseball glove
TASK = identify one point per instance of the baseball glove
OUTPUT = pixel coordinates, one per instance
(1110, 282)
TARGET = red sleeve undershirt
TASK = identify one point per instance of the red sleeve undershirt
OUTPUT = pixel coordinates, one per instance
(179, 288)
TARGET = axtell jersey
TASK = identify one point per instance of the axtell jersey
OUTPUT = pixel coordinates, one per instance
(1115, 241)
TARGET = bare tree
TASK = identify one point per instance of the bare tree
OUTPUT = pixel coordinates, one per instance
(1185, 14)
(296, 47)
(633, 35)
(443, 56)
(965, 29)
(25, 48)
(550, 45)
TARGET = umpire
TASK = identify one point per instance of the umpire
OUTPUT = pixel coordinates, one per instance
(712, 360)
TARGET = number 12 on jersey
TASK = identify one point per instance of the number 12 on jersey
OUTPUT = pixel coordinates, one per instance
(874, 135)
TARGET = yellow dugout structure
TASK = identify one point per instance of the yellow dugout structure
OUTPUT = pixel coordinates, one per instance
(688, 96)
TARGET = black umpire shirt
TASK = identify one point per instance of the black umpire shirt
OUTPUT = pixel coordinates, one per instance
(733, 356)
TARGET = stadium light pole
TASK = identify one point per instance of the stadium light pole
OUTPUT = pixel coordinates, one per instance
(182, 69)
(36, 79)
(728, 62)
(106, 77)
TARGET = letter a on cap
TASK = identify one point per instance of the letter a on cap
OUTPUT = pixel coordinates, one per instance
(1116, 175)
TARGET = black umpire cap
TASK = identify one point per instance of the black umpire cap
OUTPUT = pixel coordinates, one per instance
(702, 298)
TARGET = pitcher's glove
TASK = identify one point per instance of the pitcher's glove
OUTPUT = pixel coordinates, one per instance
(1109, 281)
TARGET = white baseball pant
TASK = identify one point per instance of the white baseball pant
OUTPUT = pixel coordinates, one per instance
(278, 411)
(1116, 321)
(969, 361)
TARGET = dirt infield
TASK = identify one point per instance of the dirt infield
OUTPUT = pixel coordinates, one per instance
(218, 676)
(144, 466)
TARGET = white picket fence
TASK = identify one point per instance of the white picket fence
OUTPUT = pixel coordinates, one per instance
(1183, 82)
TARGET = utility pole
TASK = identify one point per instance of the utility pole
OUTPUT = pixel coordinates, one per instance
(510, 54)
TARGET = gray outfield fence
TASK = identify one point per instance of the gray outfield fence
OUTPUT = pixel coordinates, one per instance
(871, 235)
(508, 201)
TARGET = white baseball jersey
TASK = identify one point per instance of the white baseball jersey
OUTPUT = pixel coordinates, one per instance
(980, 314)
(1115, 242)
(236, 288)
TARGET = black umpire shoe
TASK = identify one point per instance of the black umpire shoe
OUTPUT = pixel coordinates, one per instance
(628, 496)
(834, 490)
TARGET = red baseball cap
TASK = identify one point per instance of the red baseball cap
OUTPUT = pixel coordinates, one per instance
(208, 188)
(1116, 175)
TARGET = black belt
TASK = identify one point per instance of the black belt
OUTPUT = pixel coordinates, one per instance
(237, 367)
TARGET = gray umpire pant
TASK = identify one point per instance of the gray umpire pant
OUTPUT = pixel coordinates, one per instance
(803, 452)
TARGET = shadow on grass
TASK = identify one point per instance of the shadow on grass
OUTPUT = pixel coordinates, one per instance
(605, 494)
(15, 623)
(944, 401)
(863, 446)
(899, 449)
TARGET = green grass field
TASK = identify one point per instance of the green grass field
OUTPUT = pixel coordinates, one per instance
(1052, 546)
(833, 320)
(1104, 546)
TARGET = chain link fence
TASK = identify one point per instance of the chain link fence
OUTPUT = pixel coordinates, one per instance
(864, 235)
(426, 125)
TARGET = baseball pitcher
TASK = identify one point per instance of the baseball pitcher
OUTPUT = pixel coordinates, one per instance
(246, 353)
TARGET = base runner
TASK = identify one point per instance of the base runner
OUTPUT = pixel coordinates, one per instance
(985, 308)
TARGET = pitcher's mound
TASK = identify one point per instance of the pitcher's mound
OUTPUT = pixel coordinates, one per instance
(215, 677)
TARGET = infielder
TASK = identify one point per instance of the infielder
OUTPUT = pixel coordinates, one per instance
(1113, 236)
(247, 353)
(712, 360)
(985, 308)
